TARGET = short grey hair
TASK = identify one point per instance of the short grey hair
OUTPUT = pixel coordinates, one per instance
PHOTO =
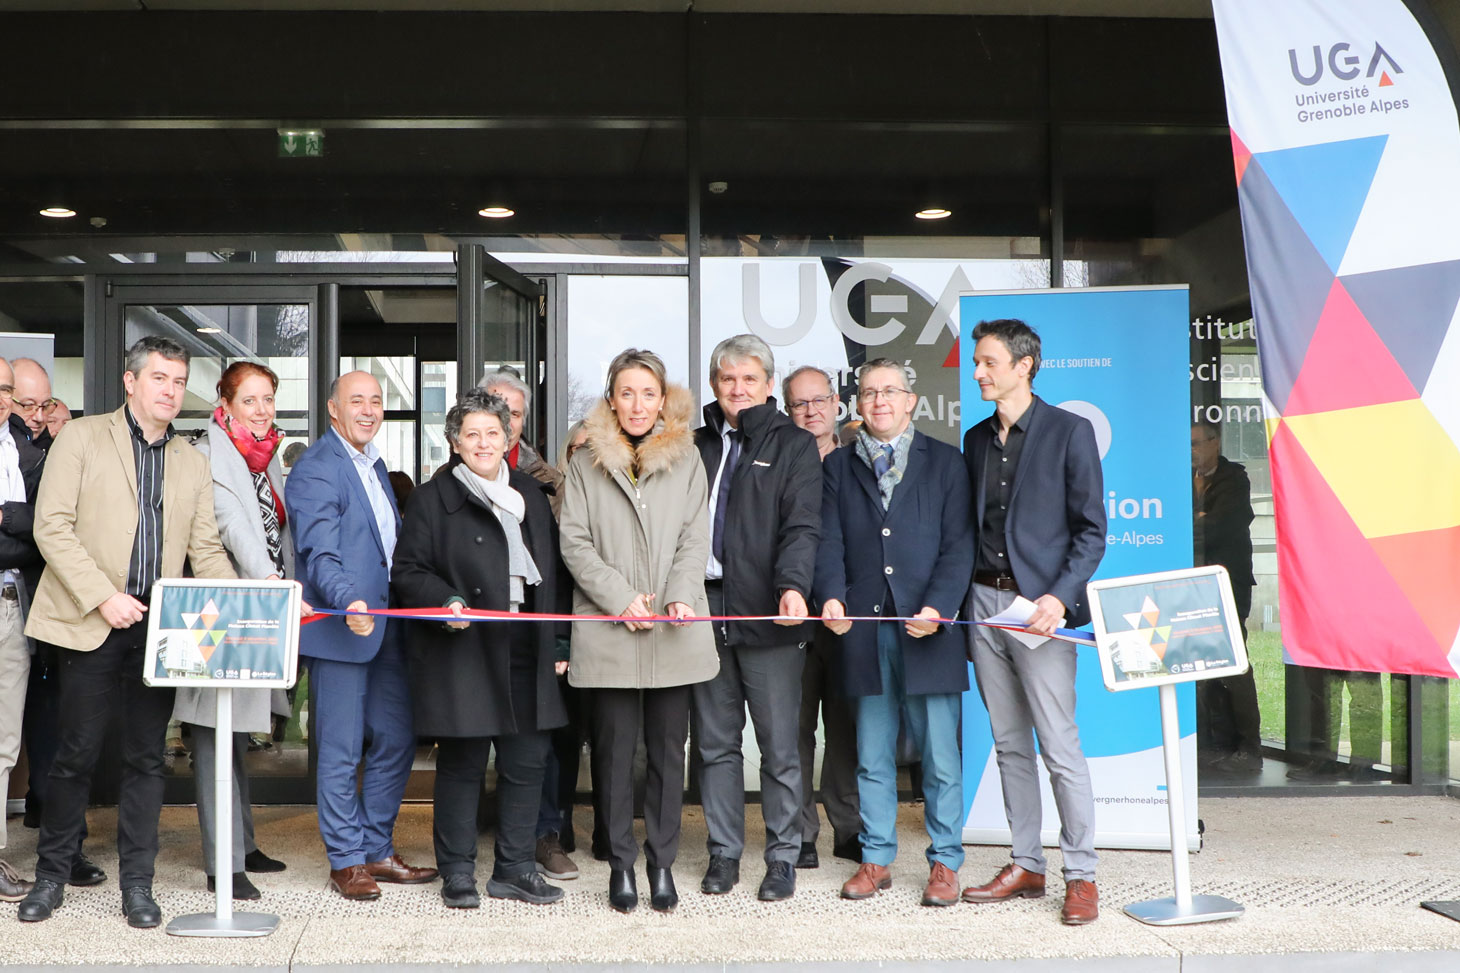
(804, 370)
(508, 378)
(144, 348)
(877, 363)
(739, 347)
(472, 401)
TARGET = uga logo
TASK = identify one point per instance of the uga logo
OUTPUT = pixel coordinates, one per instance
(1340, 63)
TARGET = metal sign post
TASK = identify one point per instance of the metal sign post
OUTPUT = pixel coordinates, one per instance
(223, 921)
(1184, 908)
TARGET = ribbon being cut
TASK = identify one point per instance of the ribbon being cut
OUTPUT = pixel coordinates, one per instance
(484, 615)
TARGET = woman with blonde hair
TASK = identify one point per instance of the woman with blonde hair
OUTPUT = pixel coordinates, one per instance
(635, 536)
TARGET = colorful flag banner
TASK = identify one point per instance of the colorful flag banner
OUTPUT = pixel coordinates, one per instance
(1347, 154)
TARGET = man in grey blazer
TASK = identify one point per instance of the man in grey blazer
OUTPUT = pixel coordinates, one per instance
(1039, 529)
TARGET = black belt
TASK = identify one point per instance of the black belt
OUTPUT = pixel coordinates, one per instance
(10, 593)
(714, 582)
(994, 579)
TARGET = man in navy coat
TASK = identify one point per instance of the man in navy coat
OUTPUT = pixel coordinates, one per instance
(344, 520)
(896, 541)
(1040, 532)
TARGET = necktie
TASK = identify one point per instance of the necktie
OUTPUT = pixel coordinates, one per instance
(722, 495)
(882, 462)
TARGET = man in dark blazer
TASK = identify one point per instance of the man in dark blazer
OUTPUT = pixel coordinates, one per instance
(1039, 531)
(343, 516)
(896, 541)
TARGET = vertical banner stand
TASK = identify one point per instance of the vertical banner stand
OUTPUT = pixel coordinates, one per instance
(1185, 908)
(223, 921)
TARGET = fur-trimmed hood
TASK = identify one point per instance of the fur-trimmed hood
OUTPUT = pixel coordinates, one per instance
(671, 440)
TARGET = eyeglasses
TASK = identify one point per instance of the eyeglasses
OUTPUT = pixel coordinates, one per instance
(7, 392)
(28, 406)
(819, 402)
(891, 393)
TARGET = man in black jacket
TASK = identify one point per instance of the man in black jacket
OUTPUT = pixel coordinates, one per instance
(20, 564)
(765, 516)
(1221, 503)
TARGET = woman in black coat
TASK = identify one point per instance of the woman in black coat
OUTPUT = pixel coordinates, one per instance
(480, 535)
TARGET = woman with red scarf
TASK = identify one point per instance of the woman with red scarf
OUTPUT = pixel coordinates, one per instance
(241, 444)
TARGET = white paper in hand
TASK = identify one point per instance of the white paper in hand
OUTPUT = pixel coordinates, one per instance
(1018, 613)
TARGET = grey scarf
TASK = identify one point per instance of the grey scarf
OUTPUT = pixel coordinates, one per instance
(510, 508)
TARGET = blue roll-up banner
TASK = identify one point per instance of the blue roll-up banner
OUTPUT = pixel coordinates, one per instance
(1120, 357)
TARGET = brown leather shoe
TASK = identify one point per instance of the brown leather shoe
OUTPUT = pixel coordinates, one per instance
(942, 887)
(393, 869)
(867, 882)
(1082, 903)
(355, 883)
(1012, 882)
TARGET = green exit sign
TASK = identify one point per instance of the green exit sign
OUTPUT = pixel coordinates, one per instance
(301, 143)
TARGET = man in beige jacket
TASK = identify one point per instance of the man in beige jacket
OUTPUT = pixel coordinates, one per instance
(122, 503)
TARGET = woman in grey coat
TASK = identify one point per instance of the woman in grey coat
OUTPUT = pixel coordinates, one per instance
(635, 534)
(242, 445)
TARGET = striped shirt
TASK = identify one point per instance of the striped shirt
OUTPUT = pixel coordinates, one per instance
(146, 563)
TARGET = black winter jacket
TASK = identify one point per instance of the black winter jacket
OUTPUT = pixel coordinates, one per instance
(774, 520)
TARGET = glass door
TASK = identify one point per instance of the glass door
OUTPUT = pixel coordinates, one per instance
(274, 326)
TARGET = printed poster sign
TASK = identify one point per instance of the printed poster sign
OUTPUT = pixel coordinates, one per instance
(203, 632)
(1168, 627)
(1120, 357)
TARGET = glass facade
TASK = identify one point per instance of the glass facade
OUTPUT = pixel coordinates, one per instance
(766, 173)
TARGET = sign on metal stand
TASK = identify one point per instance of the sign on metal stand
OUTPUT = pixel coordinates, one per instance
(1161, 630)
(223, 635)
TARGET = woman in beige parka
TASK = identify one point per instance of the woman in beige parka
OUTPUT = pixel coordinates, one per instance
(635, 535)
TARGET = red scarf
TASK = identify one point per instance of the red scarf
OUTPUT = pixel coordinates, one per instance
(256, 452)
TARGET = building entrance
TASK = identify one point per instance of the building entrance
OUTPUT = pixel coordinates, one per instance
(424, 333)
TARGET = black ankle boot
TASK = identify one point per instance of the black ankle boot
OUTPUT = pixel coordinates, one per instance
(662, 895)
(622, 893)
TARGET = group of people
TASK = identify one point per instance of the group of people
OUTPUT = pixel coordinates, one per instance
(840, 579)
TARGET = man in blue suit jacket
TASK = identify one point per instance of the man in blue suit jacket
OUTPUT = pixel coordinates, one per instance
(344, 520)
(896, 541)
(1040, 529)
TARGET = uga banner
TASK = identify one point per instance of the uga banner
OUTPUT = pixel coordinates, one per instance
(1347, 155)
(1120, 358)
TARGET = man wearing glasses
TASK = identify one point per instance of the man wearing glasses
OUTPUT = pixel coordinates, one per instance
(33, 401)
(897, 541)
(20, 569)
(812, 402)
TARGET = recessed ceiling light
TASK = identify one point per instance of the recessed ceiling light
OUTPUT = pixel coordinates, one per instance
(58, 212)
(496, 212)
(933, 213)
(210, 330)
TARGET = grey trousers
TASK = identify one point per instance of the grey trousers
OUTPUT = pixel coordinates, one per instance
(1028, 692)
(768, 679)
(838, 716)
(204, 755)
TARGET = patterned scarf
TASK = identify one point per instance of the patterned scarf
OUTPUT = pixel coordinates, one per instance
(868, 450)
(256, 455)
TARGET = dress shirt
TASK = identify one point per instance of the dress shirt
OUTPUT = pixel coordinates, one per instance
(1000, 464)
(365, 461)
(147, 548)
(714, 570)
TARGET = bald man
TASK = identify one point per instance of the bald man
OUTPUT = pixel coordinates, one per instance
(33, 402)
(343, 515)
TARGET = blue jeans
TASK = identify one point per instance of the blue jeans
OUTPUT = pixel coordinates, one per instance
(932, 722)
